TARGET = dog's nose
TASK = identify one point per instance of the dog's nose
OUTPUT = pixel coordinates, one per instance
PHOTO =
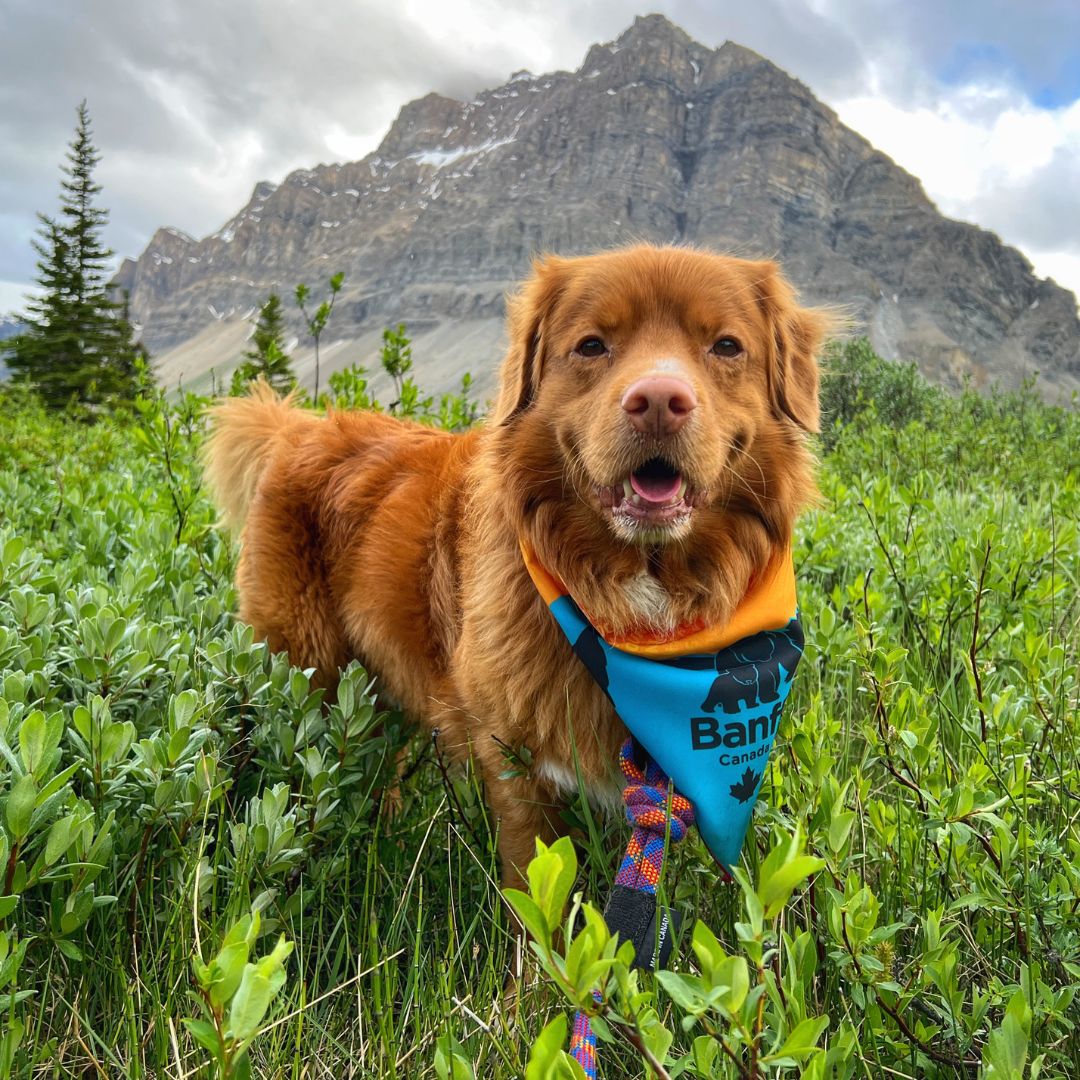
(659, 405)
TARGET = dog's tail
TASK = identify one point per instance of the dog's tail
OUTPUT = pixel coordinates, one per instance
(245, 431)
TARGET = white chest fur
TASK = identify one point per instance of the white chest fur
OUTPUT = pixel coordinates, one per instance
(606, 794)
(649, 600)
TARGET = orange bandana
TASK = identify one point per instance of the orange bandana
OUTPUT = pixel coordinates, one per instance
(704, 704)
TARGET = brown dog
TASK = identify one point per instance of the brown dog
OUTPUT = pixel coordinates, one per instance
(647, 442)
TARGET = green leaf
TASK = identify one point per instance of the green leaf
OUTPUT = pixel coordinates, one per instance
(163, 793)
(601, 1030)
(20, 806)
(585, 950)
(547, 1059)
(101, 842)
(655, 1036)
(800, 1043)
(708, 950)
(249, 1004)
(706, 1049)
(32, 740)
(205, 1034)
(115, 740)
(450, 1060)
(59, 839)
(734, 974)
(685, 990)
(114, 634)
(840, 830)
(58, 781)
(79, 908)
(241, 1068)
(69, 949)
(777, 889)
(1006, 1048)
(178, 742)
(299, 685)
(244, 929)
(563, 849)
(182, 708)
(532, 918)
(226, 971)
(259, 984)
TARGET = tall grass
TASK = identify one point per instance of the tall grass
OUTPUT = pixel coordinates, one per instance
(180, 776)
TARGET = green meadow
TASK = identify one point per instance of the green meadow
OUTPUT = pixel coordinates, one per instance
(203, 875)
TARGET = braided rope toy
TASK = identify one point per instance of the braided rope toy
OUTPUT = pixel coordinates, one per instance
(656, 811)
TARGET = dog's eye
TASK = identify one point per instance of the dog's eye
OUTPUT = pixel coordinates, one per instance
(591, 347)
(726, 347)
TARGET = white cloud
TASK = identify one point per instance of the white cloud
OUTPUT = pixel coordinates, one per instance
(517, 32)
(12, 296)
(194, 101)
(347, 145)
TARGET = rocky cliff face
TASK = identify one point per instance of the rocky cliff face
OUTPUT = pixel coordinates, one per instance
(655, 138)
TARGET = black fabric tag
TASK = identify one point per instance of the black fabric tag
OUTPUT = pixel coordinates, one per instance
(633, 915)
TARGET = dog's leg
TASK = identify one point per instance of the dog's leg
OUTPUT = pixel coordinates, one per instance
(283, 594)
(523, 812)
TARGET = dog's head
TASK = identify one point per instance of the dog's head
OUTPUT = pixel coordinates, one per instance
(650, 395)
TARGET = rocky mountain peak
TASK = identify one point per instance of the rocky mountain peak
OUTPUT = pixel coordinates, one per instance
(655, 137)
(652, 31)
(652, 47)
(420, 124)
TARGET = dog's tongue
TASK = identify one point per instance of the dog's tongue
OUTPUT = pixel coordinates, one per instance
(656, 489)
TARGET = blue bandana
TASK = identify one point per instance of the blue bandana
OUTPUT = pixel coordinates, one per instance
(704, 705)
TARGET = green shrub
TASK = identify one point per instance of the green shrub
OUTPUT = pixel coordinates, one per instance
(164, 777)
(857, 383)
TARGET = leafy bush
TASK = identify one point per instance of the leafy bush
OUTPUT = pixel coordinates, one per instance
(856, 383)
(173, 796)
(746, 1011)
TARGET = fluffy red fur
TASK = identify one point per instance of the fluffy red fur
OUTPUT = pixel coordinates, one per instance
(369, 537)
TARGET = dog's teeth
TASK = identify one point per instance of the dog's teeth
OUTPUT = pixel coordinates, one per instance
(682, 490)
(628, 491)
(635, 498)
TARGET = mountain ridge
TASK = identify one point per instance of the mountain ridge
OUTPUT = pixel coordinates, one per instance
(655, 137)
(10, 325)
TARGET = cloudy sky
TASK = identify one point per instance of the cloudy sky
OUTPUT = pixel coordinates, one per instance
(193, 101)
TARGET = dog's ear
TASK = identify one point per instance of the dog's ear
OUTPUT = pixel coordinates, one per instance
(796, 335)
(528, 317)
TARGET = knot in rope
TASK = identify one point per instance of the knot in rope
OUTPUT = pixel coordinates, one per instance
(646, 797)
(647, 802)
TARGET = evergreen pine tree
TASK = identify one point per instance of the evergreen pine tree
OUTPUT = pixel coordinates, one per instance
(267, 357)
(78, 345)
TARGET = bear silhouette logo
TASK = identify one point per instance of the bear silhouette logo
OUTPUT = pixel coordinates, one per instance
(749, 673)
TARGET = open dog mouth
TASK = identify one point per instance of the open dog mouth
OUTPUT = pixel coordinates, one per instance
(654, 494)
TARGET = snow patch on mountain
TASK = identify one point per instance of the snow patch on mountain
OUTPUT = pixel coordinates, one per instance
(439, 159)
